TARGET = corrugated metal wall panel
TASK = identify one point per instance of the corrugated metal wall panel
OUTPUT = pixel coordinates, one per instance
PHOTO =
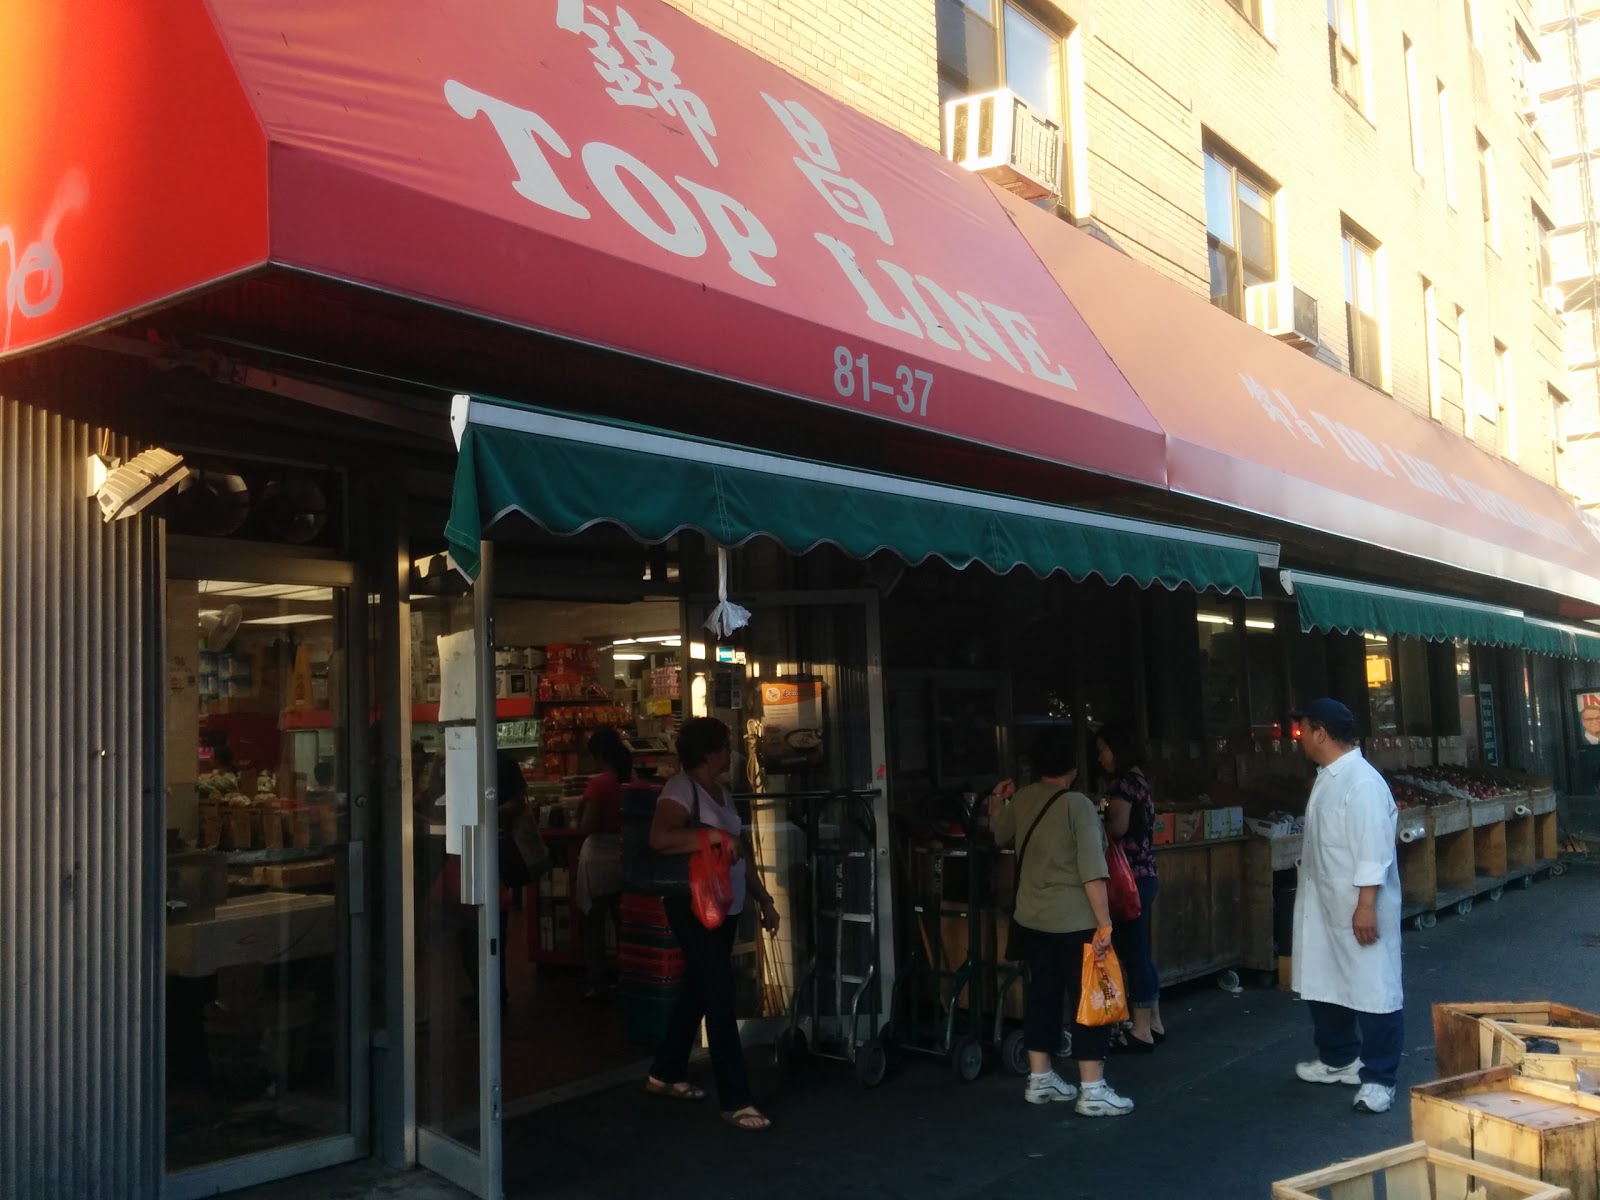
(76, 999)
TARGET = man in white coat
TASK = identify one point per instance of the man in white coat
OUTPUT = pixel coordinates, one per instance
(1347, 914)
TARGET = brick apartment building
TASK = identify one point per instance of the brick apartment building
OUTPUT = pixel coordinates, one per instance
(1374, 157)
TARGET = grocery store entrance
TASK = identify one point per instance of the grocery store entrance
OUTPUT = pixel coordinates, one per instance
(575, 681)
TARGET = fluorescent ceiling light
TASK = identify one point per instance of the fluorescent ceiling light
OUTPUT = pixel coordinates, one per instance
(290, 619)
(265, 591)
(1255, 624)
(628, 657)
(1213, 619)
(626, 642)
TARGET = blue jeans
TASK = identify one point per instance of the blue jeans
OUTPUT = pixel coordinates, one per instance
(1343, 1035)
(1131, 940)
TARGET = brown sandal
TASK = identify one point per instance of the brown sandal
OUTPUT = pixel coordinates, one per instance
(749, 1119)
(681, 1090)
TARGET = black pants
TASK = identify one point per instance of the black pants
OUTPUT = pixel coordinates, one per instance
(1055, 982)
(708, 991)
(602, 909)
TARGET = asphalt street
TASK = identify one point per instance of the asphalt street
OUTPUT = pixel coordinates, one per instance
(1220, 1112)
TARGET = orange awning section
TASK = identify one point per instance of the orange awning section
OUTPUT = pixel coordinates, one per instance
(1264, 428)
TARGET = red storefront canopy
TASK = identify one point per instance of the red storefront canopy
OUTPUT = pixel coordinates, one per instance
(1258, 426)
(616, 174)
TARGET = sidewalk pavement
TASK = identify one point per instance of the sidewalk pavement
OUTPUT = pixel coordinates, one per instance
(1219, 1109)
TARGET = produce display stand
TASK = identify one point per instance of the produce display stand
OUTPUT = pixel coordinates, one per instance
(1414, 1172)
(1520, 1125)
(1198, 921)
(1461, 1044)
(1546, 824)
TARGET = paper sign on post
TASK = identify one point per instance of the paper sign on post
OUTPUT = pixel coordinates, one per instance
(460, 784)
(458, 676)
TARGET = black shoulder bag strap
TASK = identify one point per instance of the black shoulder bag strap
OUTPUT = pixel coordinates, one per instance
(1027, 837)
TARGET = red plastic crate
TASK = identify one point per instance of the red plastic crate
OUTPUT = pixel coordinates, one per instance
(649, 962)
(645, 912)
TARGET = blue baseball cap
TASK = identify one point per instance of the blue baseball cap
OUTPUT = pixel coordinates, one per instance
(1330, 714)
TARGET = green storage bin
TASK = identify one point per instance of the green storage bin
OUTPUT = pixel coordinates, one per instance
(648, 1008)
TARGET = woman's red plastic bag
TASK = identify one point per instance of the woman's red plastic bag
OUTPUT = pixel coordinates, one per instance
(1122, 893)
(710, 884)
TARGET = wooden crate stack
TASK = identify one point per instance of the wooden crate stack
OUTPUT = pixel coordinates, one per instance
(1508, 1095)
(1505, 1119)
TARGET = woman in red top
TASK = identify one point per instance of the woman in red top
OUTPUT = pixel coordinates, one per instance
(599, 882)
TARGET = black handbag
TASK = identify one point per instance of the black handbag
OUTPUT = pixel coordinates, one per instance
(1018, 934)
(648, 871)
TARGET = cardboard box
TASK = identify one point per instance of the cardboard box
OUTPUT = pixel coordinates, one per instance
(1162, 832)
(1189, 827)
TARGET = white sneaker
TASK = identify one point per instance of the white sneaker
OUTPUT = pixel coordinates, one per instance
(1048, 1089)
(1374, 1098)
(1321, 1072)
(1098, 1100)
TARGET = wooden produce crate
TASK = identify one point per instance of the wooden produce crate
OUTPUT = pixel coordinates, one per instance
(1506, 1044)
(1520, 1125)
(1458, 1037)
(1491, 812)
(1450, 818)
(1414, 1172)
(1542, 800)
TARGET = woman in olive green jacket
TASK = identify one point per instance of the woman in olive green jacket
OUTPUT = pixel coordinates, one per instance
(1061, 907)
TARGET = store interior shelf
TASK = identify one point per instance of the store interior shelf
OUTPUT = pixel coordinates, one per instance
(507, 708)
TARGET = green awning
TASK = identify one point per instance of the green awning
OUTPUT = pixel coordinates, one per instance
(567, 475)
(1347, 606)
(1561, 641)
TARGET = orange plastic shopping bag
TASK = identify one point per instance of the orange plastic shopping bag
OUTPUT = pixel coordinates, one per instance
(1104, 1000)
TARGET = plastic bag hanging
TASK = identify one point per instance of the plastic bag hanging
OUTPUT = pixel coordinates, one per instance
(726, 616)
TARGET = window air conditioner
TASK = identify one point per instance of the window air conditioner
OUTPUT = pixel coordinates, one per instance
(997, 135)
(1263, 308)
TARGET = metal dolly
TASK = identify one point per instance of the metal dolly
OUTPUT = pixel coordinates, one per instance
(940, 1034)
(842, 867)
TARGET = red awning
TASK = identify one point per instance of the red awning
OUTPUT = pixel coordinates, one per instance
(1259, 426)
(616, 174)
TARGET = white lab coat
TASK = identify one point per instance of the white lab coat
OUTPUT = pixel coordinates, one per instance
(1349, 844)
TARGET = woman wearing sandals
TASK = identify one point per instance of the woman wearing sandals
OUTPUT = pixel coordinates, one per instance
(1130, 815)
(691, 801)
(1061, 907)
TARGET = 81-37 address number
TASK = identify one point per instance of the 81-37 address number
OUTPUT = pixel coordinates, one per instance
(851, 373)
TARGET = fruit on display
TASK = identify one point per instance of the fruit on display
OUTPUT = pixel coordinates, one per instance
(1447, 784)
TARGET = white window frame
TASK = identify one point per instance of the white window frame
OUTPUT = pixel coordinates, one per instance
(1419, 154)
(1447, 146)
(1489, 193)
(1430, 340)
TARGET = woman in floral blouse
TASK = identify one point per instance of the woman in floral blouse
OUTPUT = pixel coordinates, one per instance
(1130, 817)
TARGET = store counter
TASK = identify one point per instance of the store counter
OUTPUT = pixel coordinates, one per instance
(270, 928)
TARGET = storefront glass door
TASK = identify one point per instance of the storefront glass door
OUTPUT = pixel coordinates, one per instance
(801, 688)
(265, 1067)
(461, 911)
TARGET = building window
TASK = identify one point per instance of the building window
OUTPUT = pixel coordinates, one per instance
(1505, 401)
(1414, 108)
(1486, 193)
(1430, 339)
(1361, 308)
(1542, 229)
(1252, 11)
(1447, 146)
(1473, 34)
(1469, 400)
(1558, 434)
(1344, 49)
(1240, 232)
(988, 44)
(1527, 69)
